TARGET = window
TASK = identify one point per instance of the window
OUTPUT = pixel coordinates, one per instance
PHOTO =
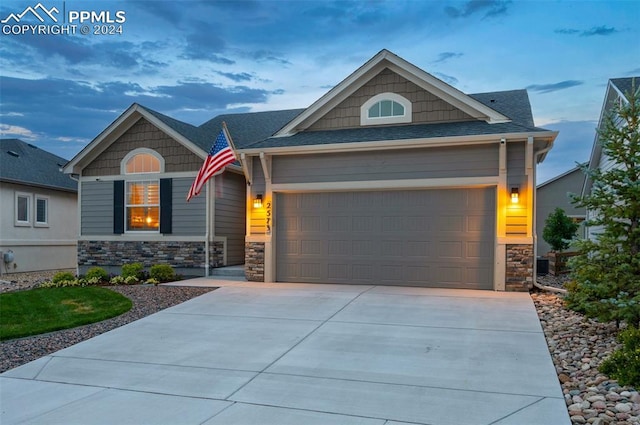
(142, 190)
(143, 205)
(385, 108)
(23, 207)
(42, 211)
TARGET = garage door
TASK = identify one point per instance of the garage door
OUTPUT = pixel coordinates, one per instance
(434, 238)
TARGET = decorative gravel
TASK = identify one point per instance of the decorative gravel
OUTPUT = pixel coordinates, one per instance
(577, 345)
(147, 299)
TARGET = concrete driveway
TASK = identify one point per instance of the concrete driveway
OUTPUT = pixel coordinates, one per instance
(303, 354)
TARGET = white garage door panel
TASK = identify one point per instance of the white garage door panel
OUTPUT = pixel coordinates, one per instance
(438, 238)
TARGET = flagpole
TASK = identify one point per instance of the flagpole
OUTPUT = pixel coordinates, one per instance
(235, 152)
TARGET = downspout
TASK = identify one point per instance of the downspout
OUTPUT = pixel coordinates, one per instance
(76, 178)
(207, 231)
(535, 232)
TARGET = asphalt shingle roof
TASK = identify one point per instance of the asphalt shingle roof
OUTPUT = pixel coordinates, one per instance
(23, 163)
(254, 129)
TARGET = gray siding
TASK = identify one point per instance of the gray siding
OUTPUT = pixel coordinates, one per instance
(440, 162)
(96, 208)
(426, 107)
(188, 219)
(556, 195)
(230, 214)
(143, 134)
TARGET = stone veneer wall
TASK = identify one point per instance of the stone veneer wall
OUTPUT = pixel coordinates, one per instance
(254, 261)
(216, 254)
(519, 272)
(112, 254)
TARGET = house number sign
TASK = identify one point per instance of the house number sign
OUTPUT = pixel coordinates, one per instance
(268, 218)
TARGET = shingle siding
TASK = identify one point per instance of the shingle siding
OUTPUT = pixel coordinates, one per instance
(143, 134)
(427, 108)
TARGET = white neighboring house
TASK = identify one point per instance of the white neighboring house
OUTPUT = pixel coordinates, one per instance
(38, 210)
(617, 90)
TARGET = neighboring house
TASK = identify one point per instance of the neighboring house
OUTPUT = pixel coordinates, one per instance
(554, 194)
(38, 210)
(392, 178)
(617, 89)
(396, 178)
(134, 178)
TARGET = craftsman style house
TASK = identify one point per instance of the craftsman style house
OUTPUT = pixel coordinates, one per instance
(393, 178)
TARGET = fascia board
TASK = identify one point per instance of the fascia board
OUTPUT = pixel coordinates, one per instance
(334, 96)
(548, 136)
(117, 129)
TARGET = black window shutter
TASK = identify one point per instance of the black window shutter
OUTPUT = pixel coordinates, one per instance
(118, 207)
(166, 202)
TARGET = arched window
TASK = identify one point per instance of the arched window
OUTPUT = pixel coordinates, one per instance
(385, 108)
(142, 193)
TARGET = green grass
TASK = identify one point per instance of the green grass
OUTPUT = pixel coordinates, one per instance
(37, 311)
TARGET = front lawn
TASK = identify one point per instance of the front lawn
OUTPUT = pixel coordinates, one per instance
(37, 311)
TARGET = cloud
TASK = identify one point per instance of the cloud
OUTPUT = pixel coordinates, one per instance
(601, 30)
(445, 56)
(446, 78)
(237, 77)
(488, 9)
(548, 88)
(14, 131)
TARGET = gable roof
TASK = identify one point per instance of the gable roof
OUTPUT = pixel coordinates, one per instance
(386, 59)
(514, 104)
(617, 88)
(24, 163)
(245, 129)
(561, 176)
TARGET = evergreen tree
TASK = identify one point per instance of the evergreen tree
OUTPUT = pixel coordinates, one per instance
(606, 274)
(559, 230)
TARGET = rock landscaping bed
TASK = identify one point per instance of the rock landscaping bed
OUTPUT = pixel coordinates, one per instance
(578, 345)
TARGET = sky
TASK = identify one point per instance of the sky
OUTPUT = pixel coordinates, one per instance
(193, 60)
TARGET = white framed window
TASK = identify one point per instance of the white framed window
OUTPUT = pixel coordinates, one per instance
(42, 211)
(386, 108)
(22, 209)
(142, 206)
(142, 190)
(141, 161)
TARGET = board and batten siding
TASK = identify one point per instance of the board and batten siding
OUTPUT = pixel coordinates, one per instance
(230, 213)
(437, 162)
(188, 218)
(96, 208)
(426, 107)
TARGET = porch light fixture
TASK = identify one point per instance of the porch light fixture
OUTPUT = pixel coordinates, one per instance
(515, 195)
(257, 202)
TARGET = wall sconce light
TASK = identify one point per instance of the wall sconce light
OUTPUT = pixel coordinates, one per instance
(515, 195)
(257, 202)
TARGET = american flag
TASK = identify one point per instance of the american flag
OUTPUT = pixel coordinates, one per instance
(220, 155)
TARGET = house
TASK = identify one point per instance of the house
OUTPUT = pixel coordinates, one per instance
(555, 193)
(617, 90)
(394, 177)
(38, 210)
(133, 181)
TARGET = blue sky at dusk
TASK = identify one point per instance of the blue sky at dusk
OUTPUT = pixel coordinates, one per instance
(193, 60)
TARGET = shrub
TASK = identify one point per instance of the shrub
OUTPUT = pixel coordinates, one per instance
(116, 280)
(63, 276)
(98, 273)
(162, 272)
(624, 363)
(132, 269)
(559, 230)
(63, 283)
